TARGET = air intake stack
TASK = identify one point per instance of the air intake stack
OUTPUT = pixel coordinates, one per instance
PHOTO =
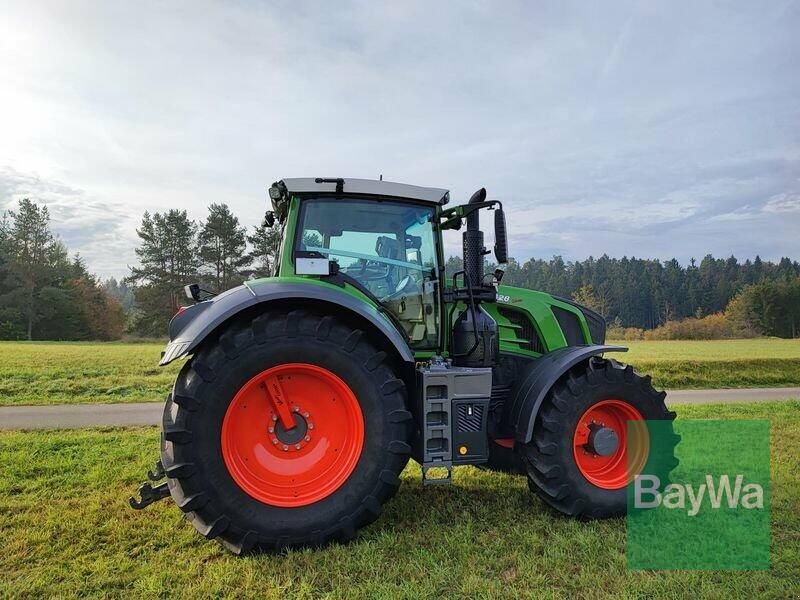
(473, 242)
(475, 339)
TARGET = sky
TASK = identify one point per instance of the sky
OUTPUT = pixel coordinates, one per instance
(648, 129)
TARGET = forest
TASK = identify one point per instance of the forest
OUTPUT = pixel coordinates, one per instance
(47, 295)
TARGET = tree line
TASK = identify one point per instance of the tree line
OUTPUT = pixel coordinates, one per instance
(647, 293)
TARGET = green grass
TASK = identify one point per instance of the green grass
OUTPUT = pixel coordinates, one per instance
(67, 531)
(685, 364)
(69, 373)
(703, 350)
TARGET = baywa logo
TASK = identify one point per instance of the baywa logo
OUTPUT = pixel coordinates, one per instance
(713, 493)
(702, 499)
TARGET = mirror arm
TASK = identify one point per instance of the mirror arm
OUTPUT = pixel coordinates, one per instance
(454, 215)
(451, 223)
(471, 208)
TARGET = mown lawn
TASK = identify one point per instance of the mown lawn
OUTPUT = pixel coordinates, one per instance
(75, 372)
(685, 364)
(67, 531)
(67, 373)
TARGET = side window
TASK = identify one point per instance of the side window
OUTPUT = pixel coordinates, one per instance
(388, 248)
(311, 239)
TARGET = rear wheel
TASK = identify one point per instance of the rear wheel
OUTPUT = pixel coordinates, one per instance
(288, 431)
(590, 440)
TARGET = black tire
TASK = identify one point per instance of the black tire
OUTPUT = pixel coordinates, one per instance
(552, 470)
(191, 453)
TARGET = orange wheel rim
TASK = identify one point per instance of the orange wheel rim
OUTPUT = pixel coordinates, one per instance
(610, 465)
(306, 462)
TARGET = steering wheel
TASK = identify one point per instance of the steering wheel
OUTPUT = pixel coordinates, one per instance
(407, 286)
(367, 270)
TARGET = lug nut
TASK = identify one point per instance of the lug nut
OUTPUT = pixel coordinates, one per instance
(305, 414)
(311, 426)
(274, 417)
(285, 447)
(308, 439)
(297, 447)
(271, 429)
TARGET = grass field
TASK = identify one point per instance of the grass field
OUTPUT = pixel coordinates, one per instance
(67, 531)
(73, 372)
(65, 373)
(684, 364)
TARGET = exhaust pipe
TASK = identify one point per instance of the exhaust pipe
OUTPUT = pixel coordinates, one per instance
(473, 242)
(475, 339)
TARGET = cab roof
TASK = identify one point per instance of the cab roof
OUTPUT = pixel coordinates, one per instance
(367, 187)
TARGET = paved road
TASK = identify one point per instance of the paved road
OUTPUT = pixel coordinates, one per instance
(149, 413)
(72, 416)
(730, 395)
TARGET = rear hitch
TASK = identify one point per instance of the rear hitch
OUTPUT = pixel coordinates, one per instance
(156, 472)
(149, 494)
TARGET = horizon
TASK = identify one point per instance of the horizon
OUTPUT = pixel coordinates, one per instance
(453, 250)
(604, 130)
(520, 261)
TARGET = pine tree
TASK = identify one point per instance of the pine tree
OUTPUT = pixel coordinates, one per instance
(265, 241)
(169, 260)
(33, 261)
(222, 247)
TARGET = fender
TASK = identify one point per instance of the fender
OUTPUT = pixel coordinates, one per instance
(190, 327)
(519, 413)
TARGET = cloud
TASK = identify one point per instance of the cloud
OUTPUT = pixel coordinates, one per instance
(103, 233)
(628, 128)
(783, 203)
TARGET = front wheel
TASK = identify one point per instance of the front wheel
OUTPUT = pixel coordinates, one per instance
(590, 439)
(290, 430)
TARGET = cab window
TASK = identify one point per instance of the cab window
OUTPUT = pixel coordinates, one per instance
(387, 247)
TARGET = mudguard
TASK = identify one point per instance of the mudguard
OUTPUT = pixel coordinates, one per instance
(520, 410)
(190, 327)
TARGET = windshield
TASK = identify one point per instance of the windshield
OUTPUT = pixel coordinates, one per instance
(389, 248)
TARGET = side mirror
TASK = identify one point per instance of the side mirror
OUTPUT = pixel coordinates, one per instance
(500, 238)
(194, 292)
(269, 218)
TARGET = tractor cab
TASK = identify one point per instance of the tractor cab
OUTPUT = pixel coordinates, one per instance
(385, 240)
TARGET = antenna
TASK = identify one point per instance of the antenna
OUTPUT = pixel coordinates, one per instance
(381, 178)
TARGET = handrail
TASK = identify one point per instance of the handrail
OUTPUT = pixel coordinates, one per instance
(380, 259)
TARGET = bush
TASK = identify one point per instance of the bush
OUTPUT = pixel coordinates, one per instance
(712, 327)
(617, 332)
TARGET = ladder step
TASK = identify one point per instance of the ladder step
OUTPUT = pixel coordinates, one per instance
(446, 480)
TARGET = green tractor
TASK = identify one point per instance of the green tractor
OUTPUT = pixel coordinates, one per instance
(306, 393)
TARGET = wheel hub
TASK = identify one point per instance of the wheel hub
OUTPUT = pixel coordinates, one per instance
(294, 438)
(603, 441)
